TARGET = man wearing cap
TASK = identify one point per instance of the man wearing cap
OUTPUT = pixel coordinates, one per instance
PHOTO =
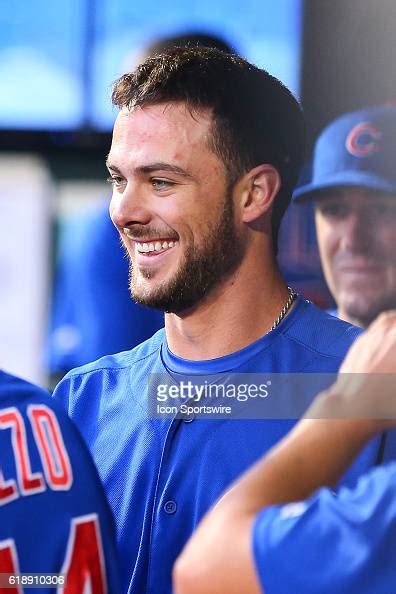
(354, 190)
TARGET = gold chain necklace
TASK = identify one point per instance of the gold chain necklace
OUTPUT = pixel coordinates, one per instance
(285, 308)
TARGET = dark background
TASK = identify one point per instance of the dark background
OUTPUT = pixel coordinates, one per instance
(349, 58)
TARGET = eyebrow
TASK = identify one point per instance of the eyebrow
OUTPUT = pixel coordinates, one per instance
(112, 167)
(151, 167)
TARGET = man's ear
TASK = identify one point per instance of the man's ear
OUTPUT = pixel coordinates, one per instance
(257, 191)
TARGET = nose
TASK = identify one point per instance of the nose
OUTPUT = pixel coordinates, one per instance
(358, 232)
(128, 207)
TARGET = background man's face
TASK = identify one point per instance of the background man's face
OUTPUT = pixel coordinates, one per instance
(171, 205)
(356, 230)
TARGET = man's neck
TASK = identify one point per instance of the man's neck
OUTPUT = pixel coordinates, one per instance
(236, 313)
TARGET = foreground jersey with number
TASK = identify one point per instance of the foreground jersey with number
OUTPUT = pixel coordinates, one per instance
(162, 475)
(331, 543)
(54, 517)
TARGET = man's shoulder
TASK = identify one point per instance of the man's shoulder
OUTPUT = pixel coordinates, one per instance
(321, 332)
(137, 356)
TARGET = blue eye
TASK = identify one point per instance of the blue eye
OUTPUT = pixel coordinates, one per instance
(160, 184)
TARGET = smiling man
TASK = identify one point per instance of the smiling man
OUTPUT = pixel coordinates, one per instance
(183, 253)
(206, 151)
(354, 190)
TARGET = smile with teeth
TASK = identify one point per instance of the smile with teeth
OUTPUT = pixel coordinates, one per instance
(155, 246)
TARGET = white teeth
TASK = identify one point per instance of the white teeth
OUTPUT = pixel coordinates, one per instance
(155, 246)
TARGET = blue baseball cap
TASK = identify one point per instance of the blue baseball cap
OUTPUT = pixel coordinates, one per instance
(356, 149)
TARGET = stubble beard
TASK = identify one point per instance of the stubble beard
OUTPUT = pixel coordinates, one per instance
(203, 268)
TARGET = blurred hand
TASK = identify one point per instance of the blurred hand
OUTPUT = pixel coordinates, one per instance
(375, 350)
(367, 377)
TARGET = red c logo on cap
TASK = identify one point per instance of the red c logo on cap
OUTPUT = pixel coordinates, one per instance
(363, 140)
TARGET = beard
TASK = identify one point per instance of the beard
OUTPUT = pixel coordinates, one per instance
(203, 268)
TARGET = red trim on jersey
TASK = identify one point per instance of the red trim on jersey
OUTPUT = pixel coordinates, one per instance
(9, 564)
(8, 490)
(53, 453)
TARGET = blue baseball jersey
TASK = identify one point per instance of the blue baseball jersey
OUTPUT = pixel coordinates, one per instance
(54, 516)
(162, 475)
(92, 311)
(342, 543)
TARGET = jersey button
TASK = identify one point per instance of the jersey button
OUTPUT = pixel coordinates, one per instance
(170, 507)
(189, 419)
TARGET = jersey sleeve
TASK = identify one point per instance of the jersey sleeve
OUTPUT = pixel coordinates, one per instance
(332, 542)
